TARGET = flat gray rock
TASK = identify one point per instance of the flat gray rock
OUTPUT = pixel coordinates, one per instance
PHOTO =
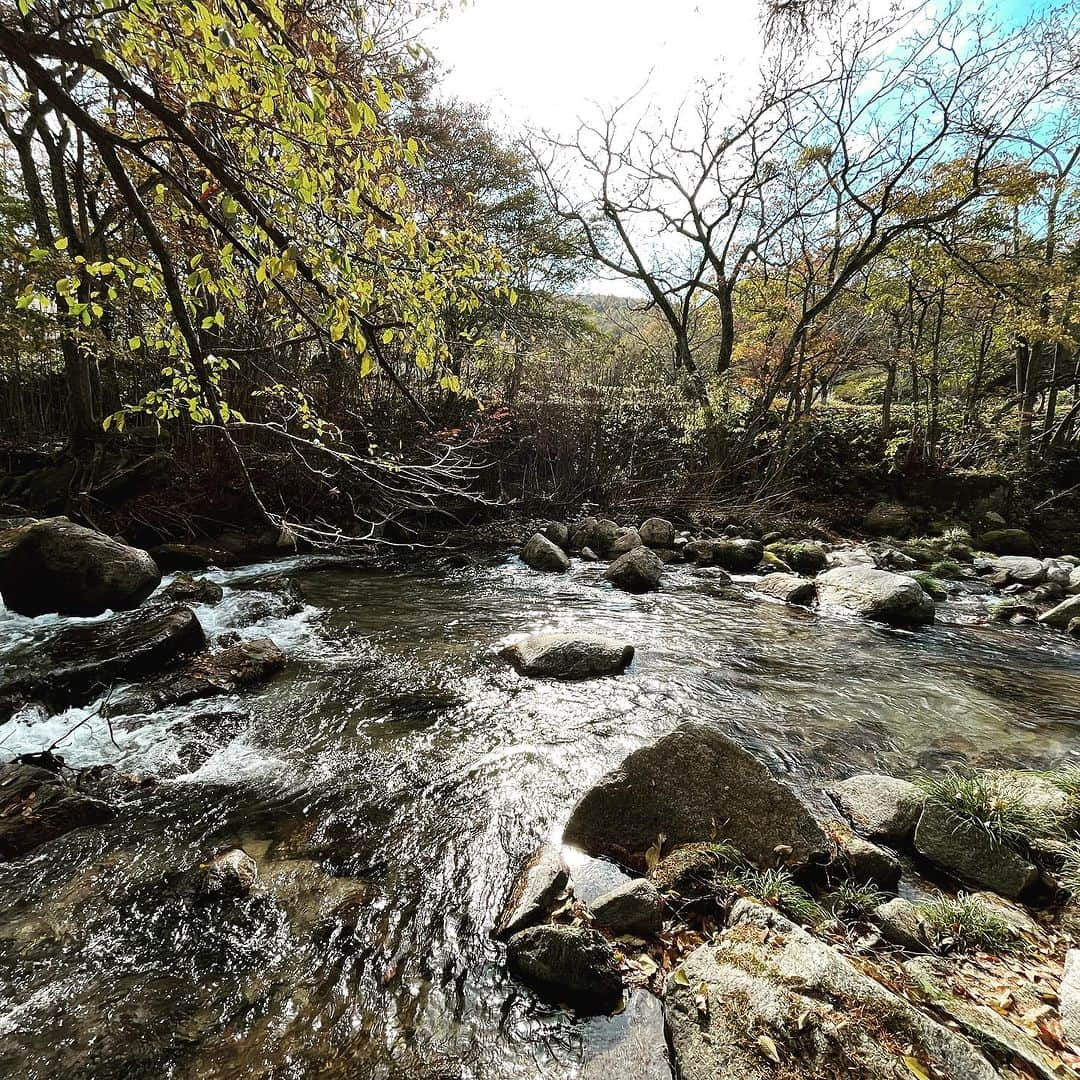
(790, 588)
(542, 880)
(880, 807)
(876, 594)
(569, 656)
(635, 907)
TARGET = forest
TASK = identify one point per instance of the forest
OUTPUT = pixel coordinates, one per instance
(539, 541)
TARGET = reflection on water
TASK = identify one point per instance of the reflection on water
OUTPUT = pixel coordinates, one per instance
(390, 781)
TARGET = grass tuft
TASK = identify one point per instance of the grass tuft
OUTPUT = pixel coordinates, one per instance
(996, 806)
(778, 889)
(855, 900)
(962, 924)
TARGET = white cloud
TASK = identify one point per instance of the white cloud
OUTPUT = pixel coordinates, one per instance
(544, 64)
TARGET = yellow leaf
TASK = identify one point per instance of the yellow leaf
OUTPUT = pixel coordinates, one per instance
(680, 978)
(916, 1068)
(768, 1047)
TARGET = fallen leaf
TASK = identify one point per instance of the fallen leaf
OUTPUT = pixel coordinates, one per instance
(916, 1068)
(768, 1047)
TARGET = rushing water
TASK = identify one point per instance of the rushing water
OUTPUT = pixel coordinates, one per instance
(398, 772)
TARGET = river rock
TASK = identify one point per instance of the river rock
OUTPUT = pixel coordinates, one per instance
(226, 670)
(38, 805)
(541, 554)
(179, 556)
(696, 784)
(558, 533)
(603, 535)
(54, 565)
(771, 992)
(866, 862)
(657, 532)
(737, 555)
(1009, 542)
(569, 656)
(626, 541)
(881, 807)
(567, 963)
(1059, 617)
(965, 850)
(539, 884)
(635, 907)
(1020, 569)
(899, 923)
(81, 662)
(876, 594)
(185, 589)
(637, 571)
(805, 557)
(228, 875)
(788, 588)
(1073, 588)
(889, 519)
(1069, 995)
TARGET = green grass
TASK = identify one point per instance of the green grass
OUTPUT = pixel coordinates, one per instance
(947, 570)
(1067, 779)
(963, 924)
(778, 889)
(855, 900)
(1069, 874)
(995, 805)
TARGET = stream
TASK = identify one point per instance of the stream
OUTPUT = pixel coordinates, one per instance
(390, 782)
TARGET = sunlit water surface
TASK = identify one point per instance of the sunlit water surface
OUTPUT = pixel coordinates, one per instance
(398, 772)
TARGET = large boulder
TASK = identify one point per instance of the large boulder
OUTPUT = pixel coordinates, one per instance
(1059, 617)
(636, 571)
(966, 850)
(881, 807)
(558, 533)
(82, 662)
(37, 805)
(696, 784)
(54, 565)
(1073, 588)
(541, 554)
(889, 519)
(185, 589)
(177, 556)
(569, 656)
(772, 1000)
(657, 532)
(1009, 542)
(876, 594)
(567, 963)
(603, 535)
(542, 879)
(787, 587)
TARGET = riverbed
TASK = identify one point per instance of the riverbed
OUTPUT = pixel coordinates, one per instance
(394, 777)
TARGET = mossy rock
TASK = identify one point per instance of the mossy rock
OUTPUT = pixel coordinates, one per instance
(924, 554)
(807, 557)
(774, 562)
(932, 586)
(947, 570)
(1009, 542)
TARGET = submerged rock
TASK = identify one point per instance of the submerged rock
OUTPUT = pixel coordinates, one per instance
(788, 588)
(569, 656)
(657, 532)
(636, 571)
(539, 884)
(881, 807)
(38, 805)
(81, 662)
(54, 565)
(692, 785)
(228, 875)
(630, 1045)
(773, 1000)
(567, 963)
(635, 907)
(185, 589)
(876, 594)
(966, 850)
(224, 671)
(541, 554)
